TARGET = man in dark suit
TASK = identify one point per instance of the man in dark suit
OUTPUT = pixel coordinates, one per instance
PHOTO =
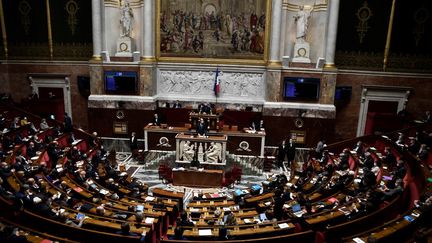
(156, 120)
(133, 142)
(291, 149)
(202, 128)
(177, 104)
(67, 123)
(423, 152)
(281, 153)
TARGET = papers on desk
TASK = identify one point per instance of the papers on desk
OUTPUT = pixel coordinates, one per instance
(205, 232)
(149, 199)
(299, 213)
(78, 189)
(201, 169)
(283, 226)
(76, 142)
(248, 221)
(103, 192)
(267, 203)
(149, 220)
(225, 209)
(194, 210)
(358, 240)
(345, 210)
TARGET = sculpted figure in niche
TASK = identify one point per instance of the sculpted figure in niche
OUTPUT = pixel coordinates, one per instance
(188, 151)
(302, 21)
(212, 153)
(126, 19)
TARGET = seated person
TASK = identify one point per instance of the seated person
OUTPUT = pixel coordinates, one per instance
(202, 128)
(44, 124)
(156, 120)
(213, 153)
(177, 104)
(204, 108)
(230, 219)
(188, 151)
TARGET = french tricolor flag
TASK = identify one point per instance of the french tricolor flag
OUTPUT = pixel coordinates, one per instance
(216, 87)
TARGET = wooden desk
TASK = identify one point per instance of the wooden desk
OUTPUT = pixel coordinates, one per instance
(205, 178)
(239, 142)
(201, 146)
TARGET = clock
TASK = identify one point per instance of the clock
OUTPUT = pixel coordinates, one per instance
(123, 47)
(298, 122)
(301, 52)
(120, 114)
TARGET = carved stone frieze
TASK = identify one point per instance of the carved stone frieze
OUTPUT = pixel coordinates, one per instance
(199, 84)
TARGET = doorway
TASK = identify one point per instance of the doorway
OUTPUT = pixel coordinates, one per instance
(54, 95)
(379, 107)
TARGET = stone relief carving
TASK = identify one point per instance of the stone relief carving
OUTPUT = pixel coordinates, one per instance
(193, 83)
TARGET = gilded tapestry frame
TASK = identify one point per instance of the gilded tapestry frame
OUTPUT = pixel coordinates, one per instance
(262, 61)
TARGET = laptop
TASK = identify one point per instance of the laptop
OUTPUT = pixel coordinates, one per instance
(262, 216)
(297, 210)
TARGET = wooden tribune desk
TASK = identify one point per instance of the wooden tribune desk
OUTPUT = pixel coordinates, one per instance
(239, 142)
(201, 148)
(205, 178)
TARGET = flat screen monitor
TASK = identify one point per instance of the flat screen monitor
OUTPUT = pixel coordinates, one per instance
(119, 82)
(298, 88)
(343, 93)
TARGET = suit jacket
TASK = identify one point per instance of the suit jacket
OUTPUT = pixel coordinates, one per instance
(157, 121)
(282, 152)
(291, 151)
(202, 129)
(423, 155)
(133, 143)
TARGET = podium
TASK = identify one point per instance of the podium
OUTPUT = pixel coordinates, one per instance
(209, 150)
(212, 120)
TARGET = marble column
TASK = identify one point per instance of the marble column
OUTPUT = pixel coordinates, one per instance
(332, 24)
(273, 85)
(148, 30)
(275, 33)
(328, 86)
(282, 44)
(97, 29)
(146, 84)
(96, 79)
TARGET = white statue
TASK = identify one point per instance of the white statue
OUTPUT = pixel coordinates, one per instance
(302, 20)
(213, 152)
(126, 19)
(188, 151)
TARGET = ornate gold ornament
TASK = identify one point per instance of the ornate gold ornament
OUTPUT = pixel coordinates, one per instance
(24, 8)
(72, 8)
(421, 15)
(363, 14)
